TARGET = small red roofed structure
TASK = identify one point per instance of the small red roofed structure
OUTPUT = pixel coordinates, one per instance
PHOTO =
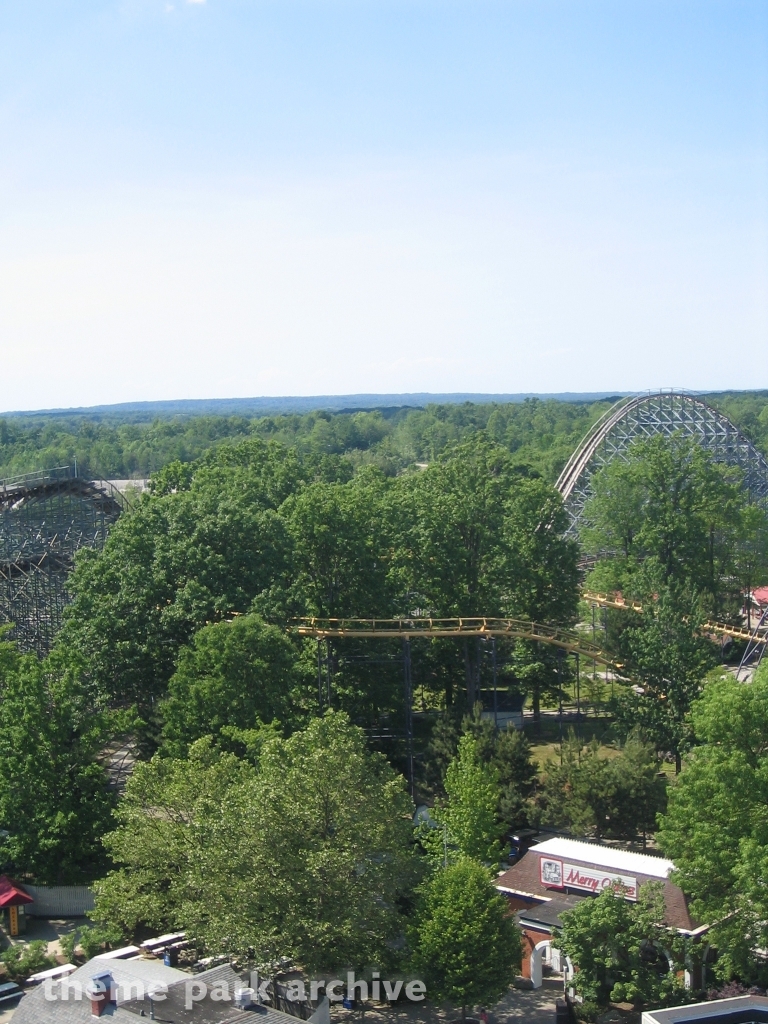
(13, 896)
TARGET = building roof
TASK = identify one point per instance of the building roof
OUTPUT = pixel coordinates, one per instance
(606, 857)
(523, 879)
(548, 913)
(210, 1010)
(37, 1006)
(738, 1010)
(760, 595)
(12, 895)
(44, 1005)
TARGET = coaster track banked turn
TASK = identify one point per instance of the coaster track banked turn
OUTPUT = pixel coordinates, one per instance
(569, 640)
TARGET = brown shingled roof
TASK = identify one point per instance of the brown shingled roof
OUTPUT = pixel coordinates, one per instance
(524, 878)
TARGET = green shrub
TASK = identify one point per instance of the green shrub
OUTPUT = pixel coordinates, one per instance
(23, 960)
(68, 945)
(93, 940)
(588, 1011)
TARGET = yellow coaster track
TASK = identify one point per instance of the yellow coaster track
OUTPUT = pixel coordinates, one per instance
(480, 626)
(755, 635)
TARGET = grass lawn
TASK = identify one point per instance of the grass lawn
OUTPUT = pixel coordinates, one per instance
(545, 737)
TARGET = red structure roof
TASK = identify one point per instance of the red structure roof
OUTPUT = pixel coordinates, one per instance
(524, 879)
(12, 895)
(760, 595)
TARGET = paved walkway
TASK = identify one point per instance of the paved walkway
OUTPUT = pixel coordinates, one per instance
(534, 1006)
(519, 1006)
(7, 1013)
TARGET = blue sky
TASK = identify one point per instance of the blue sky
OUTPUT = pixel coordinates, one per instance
(245, 197)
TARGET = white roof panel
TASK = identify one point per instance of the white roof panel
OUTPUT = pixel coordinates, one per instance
(605, 857)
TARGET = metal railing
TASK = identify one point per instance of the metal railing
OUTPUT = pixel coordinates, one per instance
(473, 626)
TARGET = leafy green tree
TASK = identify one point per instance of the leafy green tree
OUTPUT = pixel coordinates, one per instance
(541, 670)
(467, 821)
(94, 939)
(485, 540)
(163, 819)
(614, 514)
(591, 794)
(238, 674)
(751, 560)
(319, 855)
(307, 855)
(716, 827)
(665, 651)
(481, 539)
(506, 750)
(540, 566)
(68, 944)
(207, 543)
(619, 948)
(55, 804)
(340, 548)
(672, 503)
(465, 943)
(177, 562)
(509, 753)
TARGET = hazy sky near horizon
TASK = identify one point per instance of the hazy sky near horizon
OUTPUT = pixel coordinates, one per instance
(288, 197)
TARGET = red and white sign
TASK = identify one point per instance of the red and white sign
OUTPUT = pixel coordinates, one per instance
(551, 872)
(558, 874)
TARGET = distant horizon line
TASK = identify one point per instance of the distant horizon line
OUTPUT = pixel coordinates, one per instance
(281, 404)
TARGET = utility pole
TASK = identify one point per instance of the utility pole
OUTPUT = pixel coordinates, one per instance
(320, 675)
(408, 695)
(328, 669)
(560, 692)
(495, 698)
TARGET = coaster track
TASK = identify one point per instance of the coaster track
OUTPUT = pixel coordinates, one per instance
(659, 412)
(756, 638)
(45, 519)
(478, 626)
(481, 626)
(758, 634)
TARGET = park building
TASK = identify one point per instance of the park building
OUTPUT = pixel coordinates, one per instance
(555, 875)
(750, 1009)
(126, 985)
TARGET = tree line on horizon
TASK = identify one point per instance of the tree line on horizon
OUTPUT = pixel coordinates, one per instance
(540, 434)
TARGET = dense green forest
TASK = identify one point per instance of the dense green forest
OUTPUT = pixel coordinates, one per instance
(540, 434)
(264, 754)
